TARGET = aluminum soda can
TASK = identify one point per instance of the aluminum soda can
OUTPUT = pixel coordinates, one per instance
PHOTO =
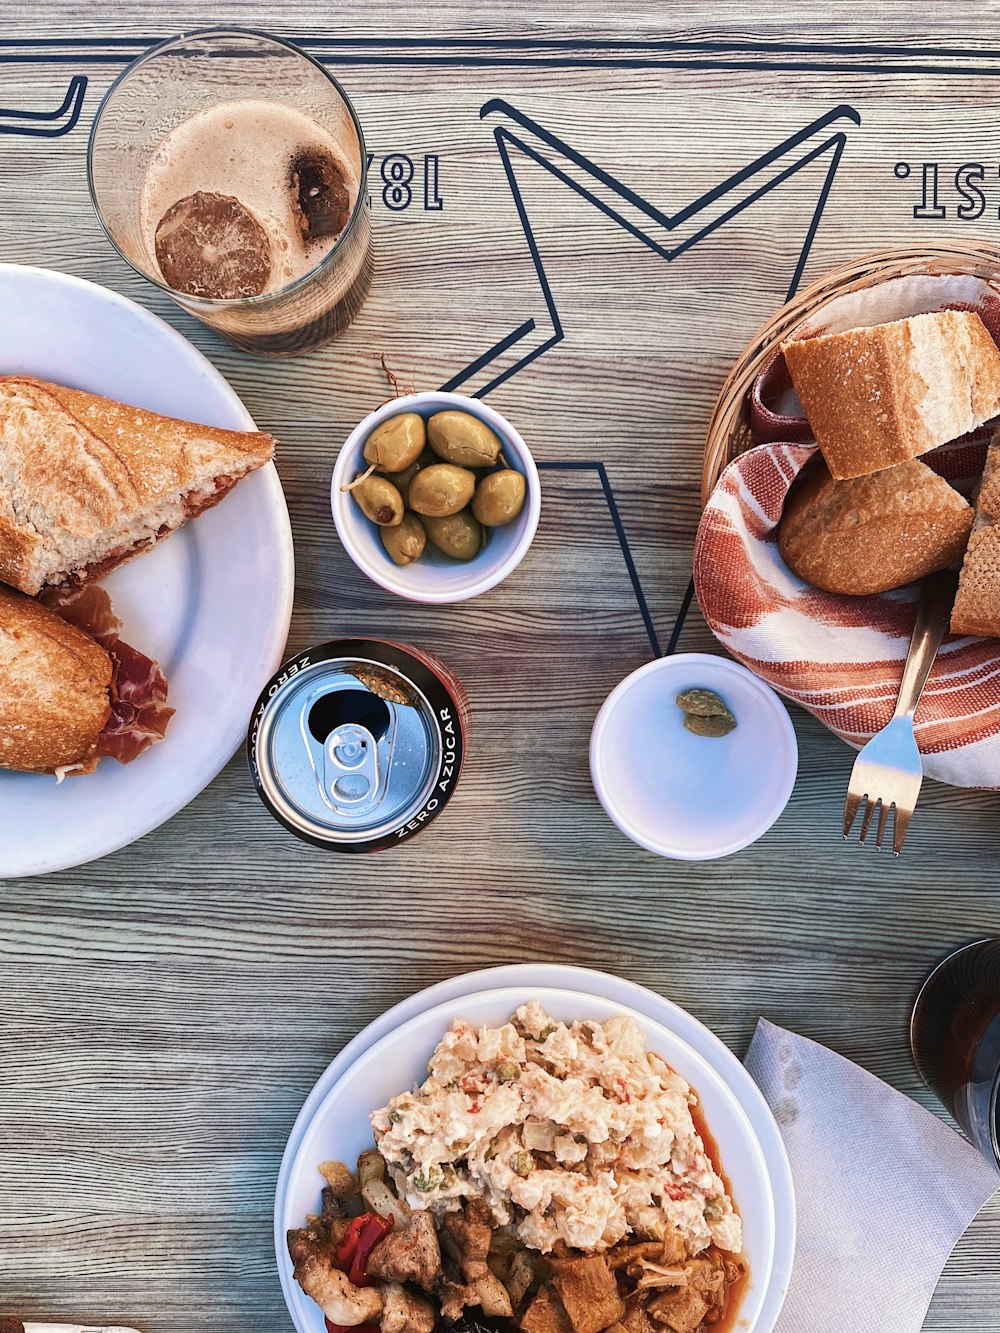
(358, 744)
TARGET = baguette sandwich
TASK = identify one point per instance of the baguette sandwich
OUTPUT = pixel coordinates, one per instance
(71, 692)
(87, 483)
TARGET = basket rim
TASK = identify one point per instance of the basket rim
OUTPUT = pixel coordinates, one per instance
(977, 257)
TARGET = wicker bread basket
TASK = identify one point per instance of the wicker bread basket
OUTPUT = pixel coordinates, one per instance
(729, 428)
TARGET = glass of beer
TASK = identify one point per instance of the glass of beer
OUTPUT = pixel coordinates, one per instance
(228, 167)
(955, 1038)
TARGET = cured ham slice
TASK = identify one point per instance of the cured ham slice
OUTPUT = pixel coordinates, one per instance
(88, 609)
(138, 689)
(139, 712)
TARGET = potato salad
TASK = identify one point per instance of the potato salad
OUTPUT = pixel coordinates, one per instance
(569, 1133)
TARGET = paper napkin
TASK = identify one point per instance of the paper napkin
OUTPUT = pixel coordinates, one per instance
(883, 1189)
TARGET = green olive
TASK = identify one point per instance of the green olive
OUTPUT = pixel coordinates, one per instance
(401, 480)
(380, 501)
(441, 489)
(460, 438)
(396, 443)
(499, 497)
(458, 535)
(405, 542)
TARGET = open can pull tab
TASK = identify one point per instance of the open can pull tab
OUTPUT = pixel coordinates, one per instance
(346, 759)
(351, 779)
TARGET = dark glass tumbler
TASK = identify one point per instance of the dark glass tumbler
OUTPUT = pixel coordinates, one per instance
(955, 1039)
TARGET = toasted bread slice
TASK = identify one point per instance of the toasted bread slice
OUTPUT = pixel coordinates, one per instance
(54, 682)
(86, 483)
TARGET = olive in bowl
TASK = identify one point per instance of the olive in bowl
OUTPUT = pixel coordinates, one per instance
(457, 493)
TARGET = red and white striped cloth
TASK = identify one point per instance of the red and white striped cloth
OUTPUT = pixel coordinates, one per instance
(841, 657)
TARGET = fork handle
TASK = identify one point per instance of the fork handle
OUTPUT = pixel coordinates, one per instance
(933, 614)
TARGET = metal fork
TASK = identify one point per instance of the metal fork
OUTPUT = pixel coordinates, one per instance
(888, 771)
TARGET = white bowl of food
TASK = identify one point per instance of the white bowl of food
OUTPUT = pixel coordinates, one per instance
(693, 785)
(464, 525)
(707, 1192)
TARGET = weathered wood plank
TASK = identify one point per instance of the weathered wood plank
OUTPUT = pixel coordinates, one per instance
(164, 1012)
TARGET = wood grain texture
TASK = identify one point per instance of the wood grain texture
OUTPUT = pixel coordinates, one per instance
(164, 1012)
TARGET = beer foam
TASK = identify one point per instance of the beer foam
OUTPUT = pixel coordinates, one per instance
(245, 148)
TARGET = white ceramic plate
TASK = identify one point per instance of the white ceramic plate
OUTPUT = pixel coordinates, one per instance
(212, 603)
(528, 977)
(334, 1120)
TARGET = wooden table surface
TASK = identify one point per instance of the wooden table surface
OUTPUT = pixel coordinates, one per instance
(166, 1010)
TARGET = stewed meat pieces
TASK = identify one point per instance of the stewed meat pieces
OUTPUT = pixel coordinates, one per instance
(644, 1287)
(340, 1300)
(467, 1236)
(408, 1254)
(405, 1312)
(546, 1314)
(588, 1291)
(581, 1296)
(681, 1310)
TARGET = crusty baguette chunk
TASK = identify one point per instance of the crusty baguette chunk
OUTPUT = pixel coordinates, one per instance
(54, 681)
(977, 604)
(870, 534)
(878, 396)
(86, 483)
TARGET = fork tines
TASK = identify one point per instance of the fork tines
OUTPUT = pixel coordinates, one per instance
(901, 822)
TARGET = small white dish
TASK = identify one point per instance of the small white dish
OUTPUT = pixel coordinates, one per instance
(693, 798)
(339, 1128)
(434, 578)
(212, 603)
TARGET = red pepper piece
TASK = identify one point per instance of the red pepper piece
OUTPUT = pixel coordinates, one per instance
(375, 1228)
(345, 1250)
(358, 1328)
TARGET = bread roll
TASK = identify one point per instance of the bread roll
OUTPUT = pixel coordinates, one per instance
(878, 396)
(87, 483)
(977, 604)
(873, 533)
(54, 681)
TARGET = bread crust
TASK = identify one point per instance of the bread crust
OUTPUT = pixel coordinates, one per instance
(977, 603)
(870, 534)
(54, 680)
(17, 546)
(877, 396)
(86, 482)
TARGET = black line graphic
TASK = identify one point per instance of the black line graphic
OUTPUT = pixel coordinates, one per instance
(570, 49)
(772, 166)
(110, 52)
(568, 166)
(46, 124)
(584, 465)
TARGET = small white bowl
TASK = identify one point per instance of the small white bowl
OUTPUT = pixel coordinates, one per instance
(435, 578)
(693, 798)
